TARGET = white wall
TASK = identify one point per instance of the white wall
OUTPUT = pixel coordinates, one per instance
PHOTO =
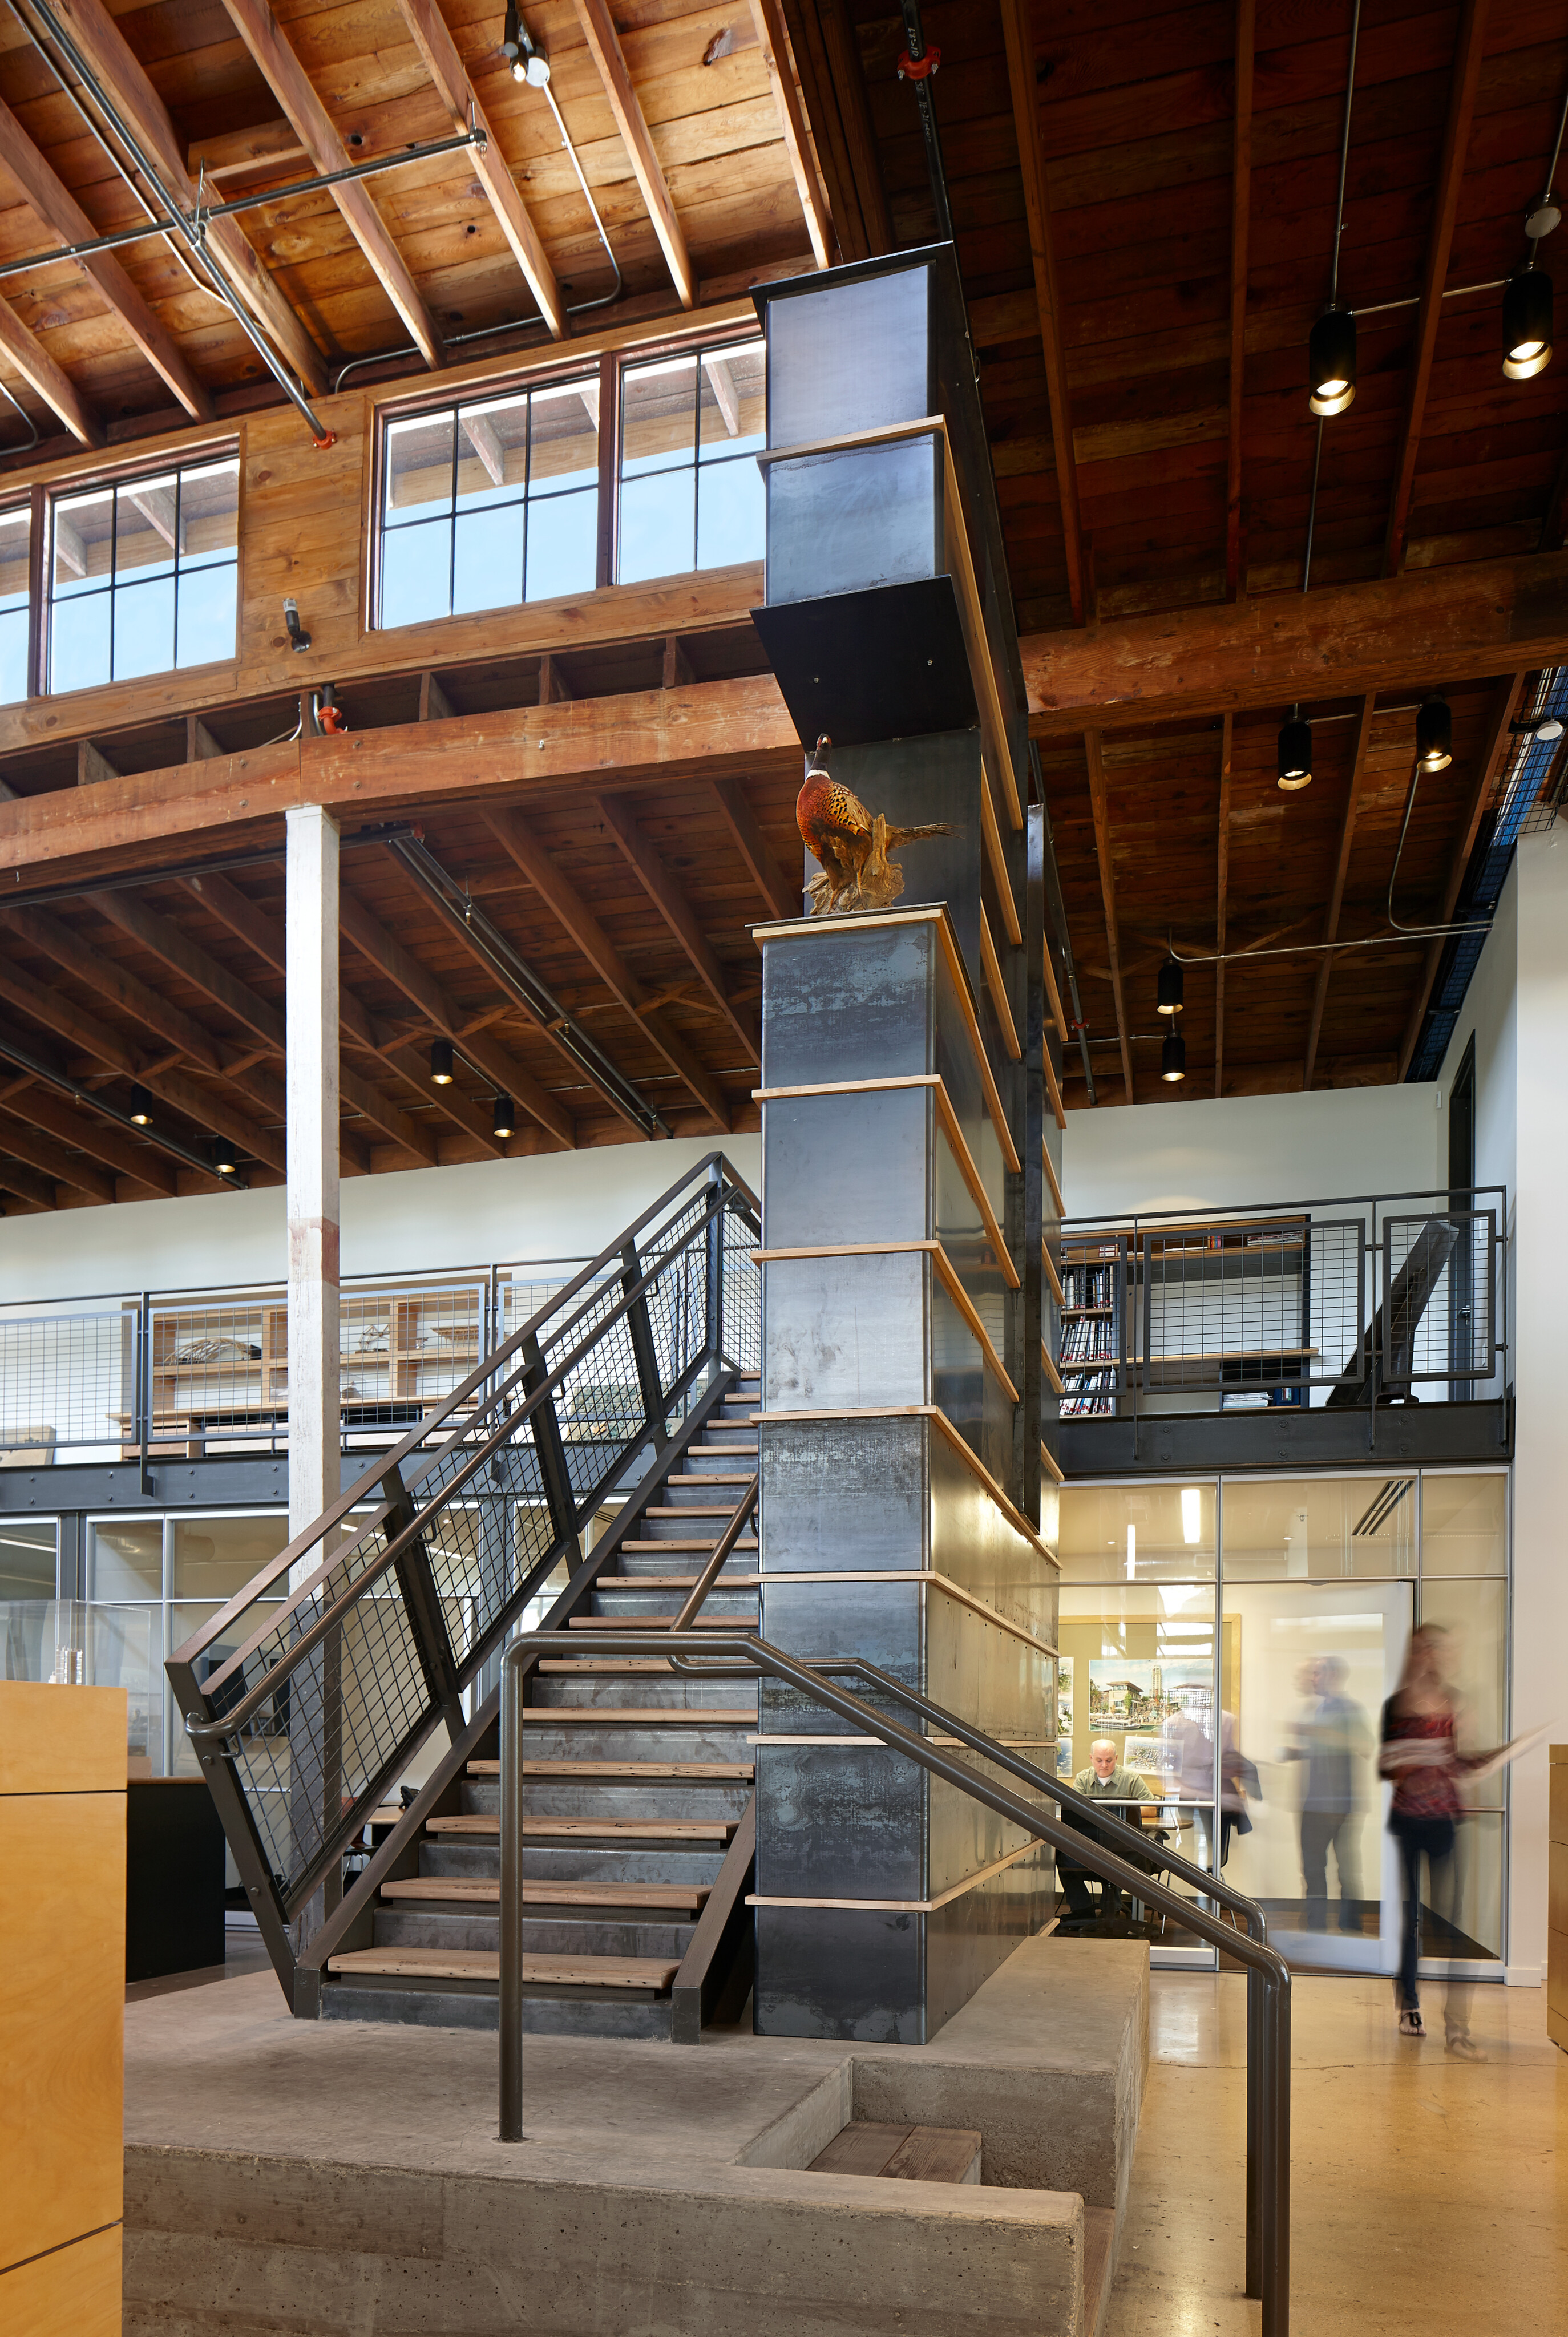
(1226, 1152)
(551, 1205)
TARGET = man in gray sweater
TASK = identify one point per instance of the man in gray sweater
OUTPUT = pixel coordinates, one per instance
(1128, 1794)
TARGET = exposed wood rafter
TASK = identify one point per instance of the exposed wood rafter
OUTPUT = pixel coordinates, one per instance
(1101, 808)
(783, 898)
(1222, 901)
(1337, 892)
(450, 76)
(773, 41)
(1016, 27)
(1466, 79)
(676, 911)
(1495, 747)
(604, 48)
(262, 35)
(1241, 211)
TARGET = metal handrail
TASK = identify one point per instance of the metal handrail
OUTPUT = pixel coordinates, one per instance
(744, 1657)
(697, 1597)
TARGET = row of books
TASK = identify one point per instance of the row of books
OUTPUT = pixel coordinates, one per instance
(1088, 1338)
(1088, 1286)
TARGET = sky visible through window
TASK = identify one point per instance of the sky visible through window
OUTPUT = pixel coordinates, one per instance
(143, 576)
(690, 492)
(15, 533)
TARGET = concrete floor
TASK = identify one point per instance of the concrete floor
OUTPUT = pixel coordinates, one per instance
(1430, 2196)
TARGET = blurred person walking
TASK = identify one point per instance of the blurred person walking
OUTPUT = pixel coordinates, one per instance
(1420, 1753)
(1331, 1737)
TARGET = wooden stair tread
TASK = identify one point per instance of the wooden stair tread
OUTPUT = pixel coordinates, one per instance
(694, 1718)
(673, 1541)
(908, 2154)
(675, 1581)
(650, 1973)
(571, 1829)
(748, 1621)
(677, 1897)
(692, 1509)
(739, 1771)
(712, 1477)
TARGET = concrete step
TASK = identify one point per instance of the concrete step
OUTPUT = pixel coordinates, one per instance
(542, 2013)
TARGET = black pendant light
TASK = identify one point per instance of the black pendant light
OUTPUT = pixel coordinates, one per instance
(224, 1158)
(1295, 751)
(1173, 1058)
(141, 1107)
(1526, 323)
(441, 1062)
(1434, 735)
(1168, 997)
(502, 1118)
(1331, 362)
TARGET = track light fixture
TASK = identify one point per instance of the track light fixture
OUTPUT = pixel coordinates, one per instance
(527, 59)
(1434, 735)
(1174, 1059)
(1331, 362)
(1168, 998)
(441, 1062)
(502, 1118)
(1294, 752)
(224, 1156)
(1526, 322)
(1545, 731)
(141, 1107)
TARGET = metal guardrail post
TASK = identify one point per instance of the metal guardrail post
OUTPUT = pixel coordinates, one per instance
(642, 1348)
(143, 1397)
(416, 1580)
(713, 1329)
(548, 1442)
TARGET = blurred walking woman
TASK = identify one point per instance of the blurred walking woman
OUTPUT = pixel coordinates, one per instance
(1420, 1752)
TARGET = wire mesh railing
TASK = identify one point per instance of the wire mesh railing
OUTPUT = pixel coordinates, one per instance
(308, 1693)
(1344, 1301)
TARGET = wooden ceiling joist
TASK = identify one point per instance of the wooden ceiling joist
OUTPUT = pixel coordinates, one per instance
(262, 35)
(1241, 216)
(57, 209)
(401, 968)
(26, 1191)
(20, 1137)
(1495, 748)
(119, 72)
(51, 383)
(676, 911)
(773, 41)
(450, 76)
(104, 1139)
(1102, 812)
(1337, 891)
(604, 47)
(1223, 900)
(1017, 30)
(1465, 81)
(564, 901)
(782, 898)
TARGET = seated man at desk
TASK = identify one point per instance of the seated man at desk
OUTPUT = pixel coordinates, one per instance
(1103, 1780)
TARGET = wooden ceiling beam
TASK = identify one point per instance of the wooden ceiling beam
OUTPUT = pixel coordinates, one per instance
(773, 41)
(1464, 623)
(1494, 747)
(782, 898)
(450, 76)
(104, 1139)
(25, 1186)
(51, 383)
(820, 94)
(604, 47)
(1462, 89)
(121, 75)
(1337, 892)
(422, 990)
(1018, 33)
(291, 85)
(1222, 901)
(1241, 213)
(205, 1107)
(23, 1141)
(852, 102)
(54, 204)
(562, 898)
(1100, 806)
(677, 913)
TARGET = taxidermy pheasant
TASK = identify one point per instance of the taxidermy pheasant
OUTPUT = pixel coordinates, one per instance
(851, 844)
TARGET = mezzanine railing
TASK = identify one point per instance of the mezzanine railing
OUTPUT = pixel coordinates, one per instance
(309, 1694)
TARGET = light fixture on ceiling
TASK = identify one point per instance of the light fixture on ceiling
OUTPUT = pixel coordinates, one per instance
(1168, 998)
(224, 1156)
(1545, 731)
(1527, 322)
(502, 1118)
(1331, 362)
(441, 1062)
(523, 52)
(1434, 735)
(1545, 214)
(1295, 751)
(141, 1107)
(1173, 1058)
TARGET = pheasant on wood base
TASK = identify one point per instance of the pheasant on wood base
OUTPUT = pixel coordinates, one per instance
(852, 843)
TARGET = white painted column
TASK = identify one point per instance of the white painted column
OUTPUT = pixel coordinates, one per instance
(1540, 1627)
(314, 1364)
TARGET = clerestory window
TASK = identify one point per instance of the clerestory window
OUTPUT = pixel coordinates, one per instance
(143, 575)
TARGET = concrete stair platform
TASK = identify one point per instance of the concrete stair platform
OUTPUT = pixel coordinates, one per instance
(349, 2177)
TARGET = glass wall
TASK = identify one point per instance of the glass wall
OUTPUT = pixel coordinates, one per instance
(1284, 1605)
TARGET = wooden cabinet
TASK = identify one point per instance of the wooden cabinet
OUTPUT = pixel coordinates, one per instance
(1557, 1889)
(62, 2008)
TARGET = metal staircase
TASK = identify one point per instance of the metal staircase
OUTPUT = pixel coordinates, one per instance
(629, 1395)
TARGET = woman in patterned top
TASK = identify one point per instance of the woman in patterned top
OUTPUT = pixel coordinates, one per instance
(1420, 1752)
